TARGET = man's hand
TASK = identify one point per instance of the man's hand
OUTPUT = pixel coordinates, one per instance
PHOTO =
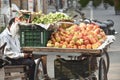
(28, 55)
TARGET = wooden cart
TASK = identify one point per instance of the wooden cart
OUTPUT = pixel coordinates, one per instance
(102, 53)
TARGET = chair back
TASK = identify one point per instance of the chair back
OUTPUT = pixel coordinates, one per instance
(2, 62)
(2, 50)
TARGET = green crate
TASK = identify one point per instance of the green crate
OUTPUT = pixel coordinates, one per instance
(34, 36)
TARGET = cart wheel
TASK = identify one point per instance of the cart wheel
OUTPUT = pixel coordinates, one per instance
(107, 60)
(38, 74)
(102, 70)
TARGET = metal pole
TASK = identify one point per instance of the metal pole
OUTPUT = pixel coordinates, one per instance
(0, 6)
(10, 4)
(65, 4)
(45, 6)
(21, 6)
(91, 10)
(0, 3)
(36, 5)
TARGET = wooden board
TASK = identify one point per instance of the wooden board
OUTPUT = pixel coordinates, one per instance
(61, 50)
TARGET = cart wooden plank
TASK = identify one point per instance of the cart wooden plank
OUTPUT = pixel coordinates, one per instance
(62, 50)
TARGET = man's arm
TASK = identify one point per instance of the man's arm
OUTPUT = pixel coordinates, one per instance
(9, 52)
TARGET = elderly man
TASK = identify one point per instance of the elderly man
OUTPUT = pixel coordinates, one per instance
(13, 51)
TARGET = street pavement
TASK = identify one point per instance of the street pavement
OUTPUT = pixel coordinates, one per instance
(114, 50)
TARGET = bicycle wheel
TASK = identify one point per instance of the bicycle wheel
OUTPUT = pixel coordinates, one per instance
(107, 60)
(102, 75)
(38, 74)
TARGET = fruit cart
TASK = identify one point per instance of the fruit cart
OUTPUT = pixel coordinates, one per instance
(87, 39)
(101, 52)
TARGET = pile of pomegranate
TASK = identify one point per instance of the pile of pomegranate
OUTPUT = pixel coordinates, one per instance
(82, 36)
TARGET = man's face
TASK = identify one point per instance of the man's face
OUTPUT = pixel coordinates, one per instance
(14, 29)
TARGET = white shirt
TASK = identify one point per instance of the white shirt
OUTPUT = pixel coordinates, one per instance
(12, 49)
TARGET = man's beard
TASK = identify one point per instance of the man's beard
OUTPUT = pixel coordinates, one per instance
(14, 29)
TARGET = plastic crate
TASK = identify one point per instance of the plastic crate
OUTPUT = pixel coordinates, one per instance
(34, 36)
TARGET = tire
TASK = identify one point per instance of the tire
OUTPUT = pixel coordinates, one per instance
(38, 76)
(107, 60)
(102, 75)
